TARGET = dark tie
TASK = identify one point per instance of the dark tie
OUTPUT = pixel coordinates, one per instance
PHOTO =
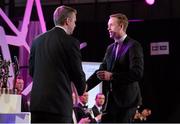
(85, 106)
(101, 111)
(114, 49)
(114, 53)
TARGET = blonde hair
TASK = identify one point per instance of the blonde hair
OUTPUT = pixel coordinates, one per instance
(122, 19)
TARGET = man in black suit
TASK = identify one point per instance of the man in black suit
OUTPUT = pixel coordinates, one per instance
(55, 61)
(99, 102)
(120, 71)
(81, 110)
(98, 107)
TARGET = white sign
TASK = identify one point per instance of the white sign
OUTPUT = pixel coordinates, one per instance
(89, 68)
(10, 103)
(160, 48)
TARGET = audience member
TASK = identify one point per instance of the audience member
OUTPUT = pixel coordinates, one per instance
(81, 109)
(82, 120)
(142, 115)
(19, 86)
(98, 107)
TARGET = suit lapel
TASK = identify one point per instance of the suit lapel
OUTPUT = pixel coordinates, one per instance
(112, 56)
(96, 111)
(122, 50)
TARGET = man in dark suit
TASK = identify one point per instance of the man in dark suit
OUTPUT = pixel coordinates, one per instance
(81, 110)
(55, 61)
(98, 107)
(120, 71)
(99, 102)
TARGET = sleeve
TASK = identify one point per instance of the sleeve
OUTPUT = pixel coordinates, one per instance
(77, 73)
(32, 60)
(93, 80)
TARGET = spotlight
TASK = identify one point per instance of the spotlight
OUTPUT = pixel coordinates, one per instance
(150, 2)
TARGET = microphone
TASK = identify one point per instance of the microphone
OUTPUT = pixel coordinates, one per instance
(16, 71)
(16, 64)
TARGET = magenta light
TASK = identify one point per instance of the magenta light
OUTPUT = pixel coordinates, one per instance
(150, 2)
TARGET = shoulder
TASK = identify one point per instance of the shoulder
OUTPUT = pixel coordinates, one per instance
(78, 108)
(39, 38)
(132, 42)
(62, 34)
(42, 36)
(110, 46)
(94, 107)
(67, 40)
(73, 39)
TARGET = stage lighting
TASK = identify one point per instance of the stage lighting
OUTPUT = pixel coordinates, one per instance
(150, 2)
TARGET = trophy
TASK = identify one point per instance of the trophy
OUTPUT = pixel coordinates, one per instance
(4, 75)
(10, 100)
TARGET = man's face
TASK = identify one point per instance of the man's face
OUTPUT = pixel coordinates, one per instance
(114, 28)
(100, 100)
(146, 112)
(84, 98)
(71, 21)
(19, 84)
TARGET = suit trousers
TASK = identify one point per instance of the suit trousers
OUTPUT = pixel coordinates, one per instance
(44, 117)
(116, 114)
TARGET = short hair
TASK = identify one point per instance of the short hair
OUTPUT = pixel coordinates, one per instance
(19, 77)
(121, 19)
(99, 94)
(62, 13)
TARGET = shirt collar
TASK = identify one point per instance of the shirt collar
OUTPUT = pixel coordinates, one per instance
(99, 108)
(121, 39)
(62, 28)
(82, 103)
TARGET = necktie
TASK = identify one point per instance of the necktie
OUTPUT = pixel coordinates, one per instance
(115, 50)
(114, 53)
(85, 106)
(118, 49)
(101, 110)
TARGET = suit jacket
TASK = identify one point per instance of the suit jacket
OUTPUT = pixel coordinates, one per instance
(55, 61)
(95, 111)
(81, 112)
(127, 71)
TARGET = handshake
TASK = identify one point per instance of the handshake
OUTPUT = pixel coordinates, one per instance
(104, 75)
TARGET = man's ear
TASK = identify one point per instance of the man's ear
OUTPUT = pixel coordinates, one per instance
(122, 26)
(68, 20)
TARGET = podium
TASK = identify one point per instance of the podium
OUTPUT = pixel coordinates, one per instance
(10, 109)
(21, 117)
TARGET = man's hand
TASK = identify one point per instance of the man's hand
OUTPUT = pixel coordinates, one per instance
(104, 75)
(98, 117)
(84, 121)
